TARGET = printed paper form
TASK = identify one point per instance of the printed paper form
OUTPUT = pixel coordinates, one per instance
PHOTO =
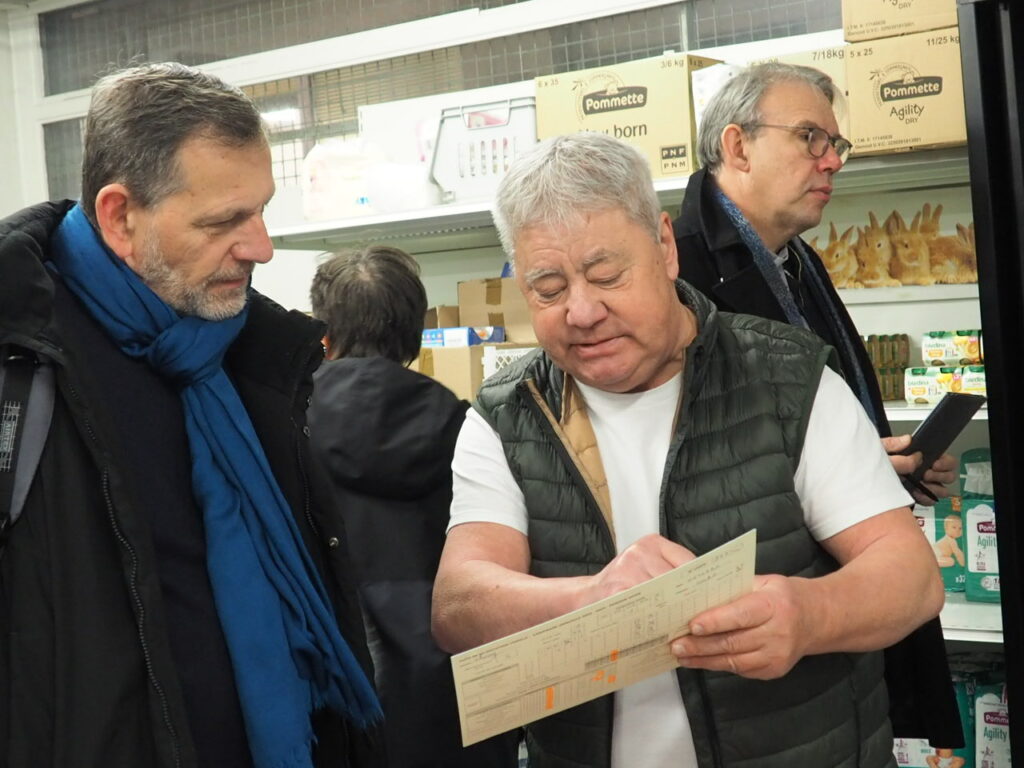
(594, 650)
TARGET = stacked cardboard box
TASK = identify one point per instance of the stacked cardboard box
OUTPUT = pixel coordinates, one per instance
(645, 103)
(458, 368)
(871, 21)
(903, 74)
(496, 301)
(490, 311)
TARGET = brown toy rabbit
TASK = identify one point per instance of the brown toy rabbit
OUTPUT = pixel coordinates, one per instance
(839, 258)
(874, 253)
(911, 264)
(930, 220)
(952, 257)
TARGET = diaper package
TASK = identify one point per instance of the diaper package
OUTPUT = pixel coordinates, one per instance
(991, 727)
(979, 517)
(943, 526)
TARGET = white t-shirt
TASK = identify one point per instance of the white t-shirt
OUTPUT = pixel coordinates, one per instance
(843, 478)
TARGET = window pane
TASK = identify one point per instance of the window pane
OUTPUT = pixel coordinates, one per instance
(82, 42)
(303, 110)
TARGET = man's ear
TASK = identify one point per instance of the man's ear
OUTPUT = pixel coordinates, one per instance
(735, 148)
(667, 243)
(116, 218)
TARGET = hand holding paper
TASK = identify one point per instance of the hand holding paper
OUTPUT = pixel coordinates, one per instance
(597, 649)
(759, 635)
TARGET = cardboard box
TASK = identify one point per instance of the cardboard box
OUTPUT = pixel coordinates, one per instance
(462, 336)
(645, 103)
(497, 301)
(863, 20)
(906, 93)
(458, 368)
(442, 316)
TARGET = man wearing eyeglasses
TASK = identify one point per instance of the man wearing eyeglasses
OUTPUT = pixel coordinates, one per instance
(769, 145)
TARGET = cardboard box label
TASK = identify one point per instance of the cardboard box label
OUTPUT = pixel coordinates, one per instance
(645, 103)
(906, 93)
(872, 19)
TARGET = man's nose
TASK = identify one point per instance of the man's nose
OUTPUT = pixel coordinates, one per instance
(585, 308)
(830, 161)
(254, 243)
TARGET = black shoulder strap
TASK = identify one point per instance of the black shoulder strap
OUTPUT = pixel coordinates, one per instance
(26, 407)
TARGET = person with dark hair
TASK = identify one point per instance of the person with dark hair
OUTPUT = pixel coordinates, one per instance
(769, 147)
(175, 592)
(385, 435)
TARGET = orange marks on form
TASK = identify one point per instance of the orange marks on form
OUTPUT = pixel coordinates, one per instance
(611, 679)
(614, 655)
(549, 697)
(599, 676)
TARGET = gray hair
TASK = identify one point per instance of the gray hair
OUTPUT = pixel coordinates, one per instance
(739, 102)
(140, 117)
(562, 178)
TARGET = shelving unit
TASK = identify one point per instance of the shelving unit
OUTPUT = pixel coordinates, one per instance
(971, 622)
(897, 410)
(458, 226)
(909, 293)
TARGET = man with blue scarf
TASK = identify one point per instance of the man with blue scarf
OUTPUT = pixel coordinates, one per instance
(176, 590)
(769, 145)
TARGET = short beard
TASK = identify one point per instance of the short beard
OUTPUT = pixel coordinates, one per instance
(190, 300)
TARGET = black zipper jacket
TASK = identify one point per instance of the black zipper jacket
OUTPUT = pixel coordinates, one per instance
(87, 674)
(394, 487)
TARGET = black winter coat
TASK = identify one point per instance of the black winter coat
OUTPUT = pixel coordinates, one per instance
(714, 260)
(386, 436)
(87, 676)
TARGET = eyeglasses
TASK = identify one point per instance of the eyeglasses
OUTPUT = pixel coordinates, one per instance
(818, 139)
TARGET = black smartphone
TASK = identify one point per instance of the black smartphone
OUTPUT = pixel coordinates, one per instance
(937, 432)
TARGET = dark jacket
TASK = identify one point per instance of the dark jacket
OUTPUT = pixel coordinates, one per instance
(386, 436)
(87, 672)
(714, 259)
(748, 388)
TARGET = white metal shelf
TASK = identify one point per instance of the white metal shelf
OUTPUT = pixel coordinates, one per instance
(459, 226)
(429, 230)
(909, 293)
(971, 622)
(899, 410)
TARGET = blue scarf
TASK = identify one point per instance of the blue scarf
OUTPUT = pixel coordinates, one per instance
(766, 265)
(287, 653)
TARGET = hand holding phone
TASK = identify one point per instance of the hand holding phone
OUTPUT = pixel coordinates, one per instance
(937, 432)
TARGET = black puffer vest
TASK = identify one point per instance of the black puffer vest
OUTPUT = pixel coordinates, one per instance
(748, 388)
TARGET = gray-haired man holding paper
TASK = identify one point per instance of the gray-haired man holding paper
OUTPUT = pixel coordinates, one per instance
(650, 429)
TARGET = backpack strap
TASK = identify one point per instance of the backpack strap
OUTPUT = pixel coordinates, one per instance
(26, 407)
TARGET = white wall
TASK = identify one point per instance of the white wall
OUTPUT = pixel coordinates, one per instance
(286, 278)
(11, 197)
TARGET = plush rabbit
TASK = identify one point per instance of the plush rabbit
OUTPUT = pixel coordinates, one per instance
(910, 259)
(874, 253)
(839, 258)
(952, 257)
(930, 220)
